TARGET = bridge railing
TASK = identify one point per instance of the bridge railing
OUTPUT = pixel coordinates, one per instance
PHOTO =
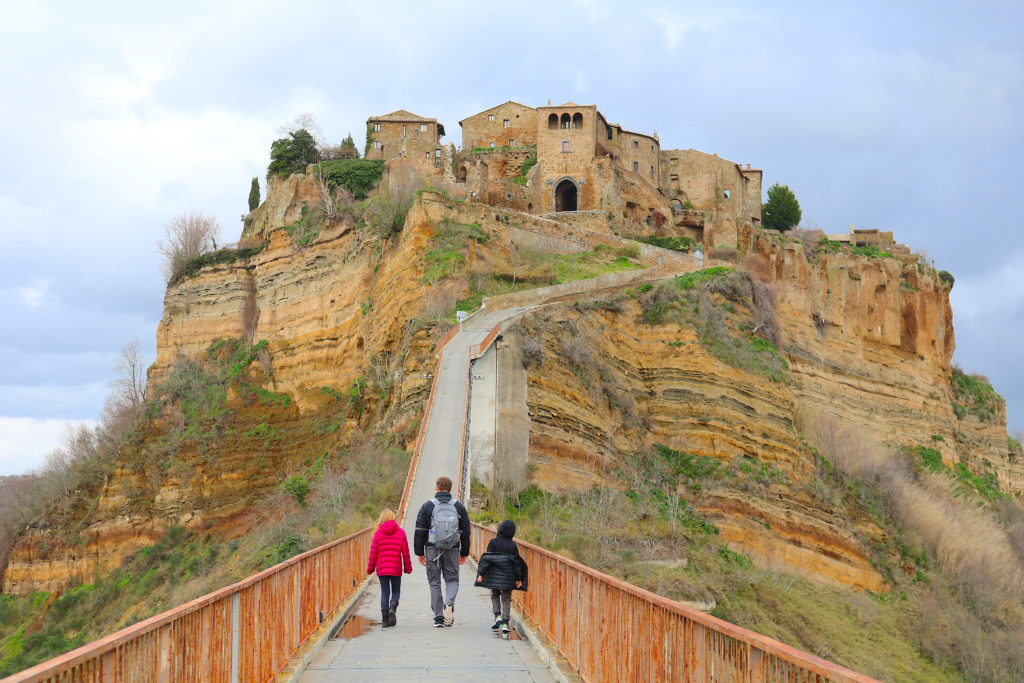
(609, 630)
(245, 632)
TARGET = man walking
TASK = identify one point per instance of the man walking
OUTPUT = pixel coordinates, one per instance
(441, 542)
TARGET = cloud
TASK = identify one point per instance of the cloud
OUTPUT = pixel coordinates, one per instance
(25, 442)
(32, 295)
(989, 316)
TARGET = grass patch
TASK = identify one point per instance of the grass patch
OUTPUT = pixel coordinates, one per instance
(973, 395)
(683, 244)
(446, 256)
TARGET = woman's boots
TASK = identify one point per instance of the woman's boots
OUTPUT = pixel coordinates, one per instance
(392, 614)
(385, 618)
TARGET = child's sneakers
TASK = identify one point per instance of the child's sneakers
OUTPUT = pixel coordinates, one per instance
(497, 622)
(439, 622)
(449, 614)
(505, 629)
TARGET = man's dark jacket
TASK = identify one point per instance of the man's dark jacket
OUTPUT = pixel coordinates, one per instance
(425, 517)
(501, 565)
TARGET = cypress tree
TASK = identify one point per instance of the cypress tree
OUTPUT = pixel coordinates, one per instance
(782, 210)
(254, 194)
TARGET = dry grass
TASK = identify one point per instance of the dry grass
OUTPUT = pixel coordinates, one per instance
(976, 605)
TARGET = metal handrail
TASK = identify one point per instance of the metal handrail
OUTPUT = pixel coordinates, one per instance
(610, 630)
(247, 631)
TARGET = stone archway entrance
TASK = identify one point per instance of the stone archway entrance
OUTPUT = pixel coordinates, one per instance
(566, 196)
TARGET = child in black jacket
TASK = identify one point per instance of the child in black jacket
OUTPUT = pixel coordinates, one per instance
(502, 570)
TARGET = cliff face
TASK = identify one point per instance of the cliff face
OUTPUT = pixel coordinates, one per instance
(344, 353)
(336, 314)
(867, 340)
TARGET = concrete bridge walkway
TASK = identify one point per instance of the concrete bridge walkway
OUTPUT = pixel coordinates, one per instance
(415, 649)
(469, 650)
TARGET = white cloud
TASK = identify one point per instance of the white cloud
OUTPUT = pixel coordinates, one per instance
(32, 295)
(25, 442)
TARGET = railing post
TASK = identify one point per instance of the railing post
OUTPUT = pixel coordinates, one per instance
(236, 636)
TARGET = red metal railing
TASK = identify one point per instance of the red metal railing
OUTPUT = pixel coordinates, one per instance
(610, 630)
(245, 632)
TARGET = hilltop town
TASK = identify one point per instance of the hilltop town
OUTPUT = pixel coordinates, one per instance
(569, 158)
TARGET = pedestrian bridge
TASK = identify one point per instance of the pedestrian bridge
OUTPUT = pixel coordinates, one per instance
(574, 623)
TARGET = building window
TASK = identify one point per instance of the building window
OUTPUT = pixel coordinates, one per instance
(673, 179)
(506, 123)
(566, 146)
(652, 171)
(511, 142)
(636, 144)
(553, 122)
(608, 131)
(652, 148)
(565, 122)
(490, 117)
(376, 128)
(727, 193)
(577, 120)
(491, 144)
(376, 144)
(437, 154)
(423, 128)
(674, 161)
(636, 167)
(405, 130)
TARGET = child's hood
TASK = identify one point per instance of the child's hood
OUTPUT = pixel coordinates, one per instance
(389, 527)
(507, 529)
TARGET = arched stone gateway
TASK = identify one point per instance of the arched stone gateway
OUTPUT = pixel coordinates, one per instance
(566, 196)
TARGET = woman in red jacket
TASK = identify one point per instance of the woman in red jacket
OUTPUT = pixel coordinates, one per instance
(389, 554)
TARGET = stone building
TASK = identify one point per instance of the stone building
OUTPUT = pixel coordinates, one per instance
(404, 135)
(570, 158)
(507, 125)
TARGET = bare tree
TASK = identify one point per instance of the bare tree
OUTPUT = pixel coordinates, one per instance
(130, 386)
(187, 237)
(307, 122)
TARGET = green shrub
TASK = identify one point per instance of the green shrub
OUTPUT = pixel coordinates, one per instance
(691, 280)
(292, 154)
(527, 165)
(306, 229)
(946, 278)
(358, 176)
(254, 194)
(871, 251)
(297, 486)
(782, 210)
(975, 396)
(683, 244)
(291, 545)
(215, 257)
(931, 458)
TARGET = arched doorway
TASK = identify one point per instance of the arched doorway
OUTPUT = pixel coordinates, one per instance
(566, 196)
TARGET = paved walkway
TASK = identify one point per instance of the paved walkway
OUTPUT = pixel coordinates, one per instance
(415, 649)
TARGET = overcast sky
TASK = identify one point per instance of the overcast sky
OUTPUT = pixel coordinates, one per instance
(115, 117)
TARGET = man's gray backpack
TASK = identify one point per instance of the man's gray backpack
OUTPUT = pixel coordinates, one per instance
(444, 525)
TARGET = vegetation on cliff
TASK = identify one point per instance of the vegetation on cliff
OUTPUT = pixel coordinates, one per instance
(782, 210)
(732, 311)
(292, 154)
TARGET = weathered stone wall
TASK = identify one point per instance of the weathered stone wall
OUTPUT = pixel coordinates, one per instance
(480, 130)
(406, 140)
(706, 180)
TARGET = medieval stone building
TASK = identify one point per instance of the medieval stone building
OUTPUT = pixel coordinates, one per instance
(570, 158)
